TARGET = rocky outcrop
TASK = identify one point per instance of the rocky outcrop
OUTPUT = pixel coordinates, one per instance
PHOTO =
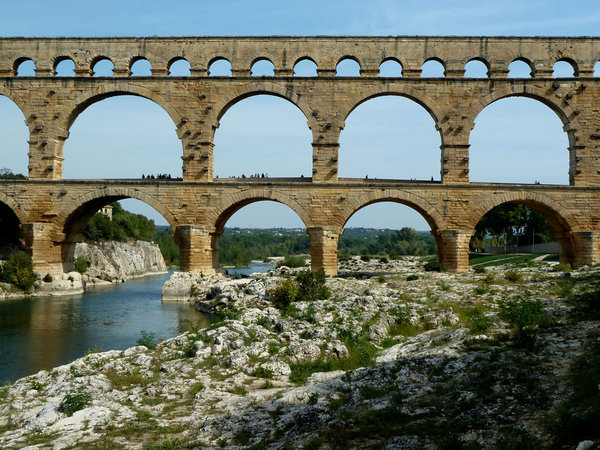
(118, 261)
(109, 262)
(400, 362)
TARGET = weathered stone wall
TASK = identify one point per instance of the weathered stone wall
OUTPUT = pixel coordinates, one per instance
(51, 212)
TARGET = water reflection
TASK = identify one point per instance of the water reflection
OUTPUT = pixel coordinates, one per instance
(46, 332)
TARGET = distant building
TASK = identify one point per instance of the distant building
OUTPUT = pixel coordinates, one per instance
(106, 211)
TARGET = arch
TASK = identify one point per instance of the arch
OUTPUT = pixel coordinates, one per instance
(179, 67)
(417, 96)
(564, 68)
(520, 68)
(390, 68)
(377, 141)
(24, 67)
(433, 68)
(559, 219)
(10, 226)
(597, 69)
(136, 138)
(13, 153)
(88, 98)
(348, 66)
(502, 151)
(563, 111)
(263, 135)
(139, 66)
(230, 205)
(102, 66)
(13, 207)
(264, 87)
(262, 67)
(64, 66)
(477, 68)
(70, 222)
(219, 67)
(305, 67)
(433, 218)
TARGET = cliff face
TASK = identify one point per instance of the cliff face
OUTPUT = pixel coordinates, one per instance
(109, 262)
(113, 261)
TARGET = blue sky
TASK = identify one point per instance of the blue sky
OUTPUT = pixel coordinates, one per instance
(129, 130)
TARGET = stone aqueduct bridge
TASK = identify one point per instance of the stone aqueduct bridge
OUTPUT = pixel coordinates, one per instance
(51, 212)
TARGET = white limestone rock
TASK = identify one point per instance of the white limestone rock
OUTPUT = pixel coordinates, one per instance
(112, 261)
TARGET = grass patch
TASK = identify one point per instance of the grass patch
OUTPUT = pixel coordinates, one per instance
(120, 380)
(361, 353)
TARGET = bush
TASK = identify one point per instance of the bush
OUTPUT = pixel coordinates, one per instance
(308, 286)
(18, 270)
(72, 403)
(293, 261)
(412, 277)
(284, 294)
(512, 276)
(312, 286)
(80, 264)
(365, 258)
(148, 339)
(562, 267)
(433, 266)
(47, 278)
(521, 313)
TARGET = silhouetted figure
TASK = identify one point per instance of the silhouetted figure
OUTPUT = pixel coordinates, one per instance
(263, 175)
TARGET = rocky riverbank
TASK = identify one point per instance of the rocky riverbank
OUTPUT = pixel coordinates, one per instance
(396, 358)
(108, 262)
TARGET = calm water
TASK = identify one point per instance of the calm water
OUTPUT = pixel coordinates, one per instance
(255, 266)
(41, 333)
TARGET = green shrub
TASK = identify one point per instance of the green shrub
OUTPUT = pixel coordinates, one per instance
(433, 266)
(148, 339)
(47, 278)
(365, 258)
(412, 277)
(284, 294)
(312, 286)
(480, 290)
(80, 264)
(479, 269)
(587, 305)
(381, 278)
(512, 276)
(490, 278)
(562, 267)
(521, 313)
(477, 321)
(383, 260)
(72, 403)
(18, 270)
(293, 261)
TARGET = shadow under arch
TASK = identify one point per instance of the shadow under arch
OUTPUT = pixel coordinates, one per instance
(559, 219)
(10, 227)
(71, 222)
(433, 218)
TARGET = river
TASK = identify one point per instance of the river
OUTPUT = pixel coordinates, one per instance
(41, 333)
